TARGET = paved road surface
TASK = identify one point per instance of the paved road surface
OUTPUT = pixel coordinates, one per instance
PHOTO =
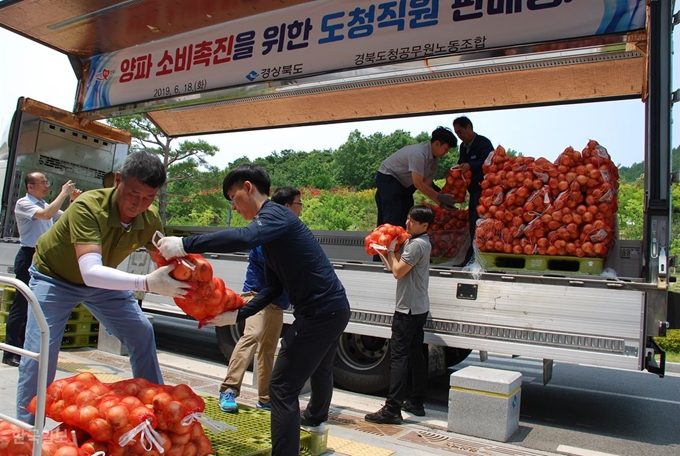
(601, 410)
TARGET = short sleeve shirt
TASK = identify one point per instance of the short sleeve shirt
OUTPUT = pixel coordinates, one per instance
(29, 228)
(412, 292)
(93, 219)
(415, 158)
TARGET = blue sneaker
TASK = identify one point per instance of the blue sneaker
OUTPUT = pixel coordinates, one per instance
(228, 402)
(267, 407)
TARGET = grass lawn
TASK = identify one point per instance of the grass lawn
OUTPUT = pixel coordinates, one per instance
(672, 357)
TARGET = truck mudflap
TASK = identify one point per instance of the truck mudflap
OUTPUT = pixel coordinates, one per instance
(651, 364)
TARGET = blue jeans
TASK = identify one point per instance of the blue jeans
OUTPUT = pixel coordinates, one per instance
(117, 310)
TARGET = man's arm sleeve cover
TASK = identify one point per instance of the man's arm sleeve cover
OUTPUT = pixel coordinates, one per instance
(96, 275)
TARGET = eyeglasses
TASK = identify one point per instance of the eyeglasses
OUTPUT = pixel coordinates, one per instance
(43, 182)
(300, 203)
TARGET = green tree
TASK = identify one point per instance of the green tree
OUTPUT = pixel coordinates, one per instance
(146, 137)
(300, 169)
(358, 159)
(630, 213)
(198, 201)
(339, 209)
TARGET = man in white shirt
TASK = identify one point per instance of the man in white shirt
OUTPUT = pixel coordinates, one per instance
(34, 216)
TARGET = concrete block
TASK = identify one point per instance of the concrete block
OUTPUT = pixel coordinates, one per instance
(110, 344)
(485, 402)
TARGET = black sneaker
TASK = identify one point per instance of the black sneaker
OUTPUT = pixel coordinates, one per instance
(414, 409)
(384, 416)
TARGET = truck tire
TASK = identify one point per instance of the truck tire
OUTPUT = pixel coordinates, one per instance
(456, 355)
(362, 364)
(227, 336)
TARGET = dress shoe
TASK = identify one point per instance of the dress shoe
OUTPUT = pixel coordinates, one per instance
(11, 360)
(384, 416)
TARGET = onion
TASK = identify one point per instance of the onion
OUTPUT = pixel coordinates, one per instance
(117, 416)
(100, 430)
(72, 390)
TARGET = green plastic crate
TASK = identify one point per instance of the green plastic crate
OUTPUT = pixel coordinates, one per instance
(81, 327)
(254, 432)
(5, 305)
(8, 294)
(540, 263)
(80, 340)
(3, 317)
(81, 314)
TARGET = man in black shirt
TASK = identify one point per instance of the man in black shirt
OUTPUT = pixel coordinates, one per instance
(474, 149)
(294, 262)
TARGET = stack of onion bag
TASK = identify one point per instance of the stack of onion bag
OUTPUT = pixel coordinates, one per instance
(130, 417)
(449, 234)
(534, 207)
(208, 296)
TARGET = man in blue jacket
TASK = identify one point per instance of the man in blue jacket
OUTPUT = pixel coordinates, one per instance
(263, 328)
(295, 263)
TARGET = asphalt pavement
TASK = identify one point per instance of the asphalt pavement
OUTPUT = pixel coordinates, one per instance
(348, 433)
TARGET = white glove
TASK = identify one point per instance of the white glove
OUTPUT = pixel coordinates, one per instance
(382, 251)
(223, 319)
(161, 283)
(393, 244)
(171, 247)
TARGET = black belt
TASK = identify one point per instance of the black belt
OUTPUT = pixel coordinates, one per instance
(32, 249)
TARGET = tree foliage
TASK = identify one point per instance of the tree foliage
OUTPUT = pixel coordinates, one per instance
(182, 163)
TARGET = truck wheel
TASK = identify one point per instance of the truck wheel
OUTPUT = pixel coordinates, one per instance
(362, 364)
(455, 355)
(227, 336)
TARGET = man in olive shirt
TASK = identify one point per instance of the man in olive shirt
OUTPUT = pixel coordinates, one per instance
(75, 262)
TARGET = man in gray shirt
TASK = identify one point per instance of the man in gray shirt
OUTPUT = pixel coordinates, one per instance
(411, 268)
(34, 216)
(409, 169)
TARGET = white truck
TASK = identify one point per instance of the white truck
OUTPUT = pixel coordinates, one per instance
(508, 62)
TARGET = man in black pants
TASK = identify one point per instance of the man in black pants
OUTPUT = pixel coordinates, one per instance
(294, 262)
(411, 268)
(474, 149)
(34, 216)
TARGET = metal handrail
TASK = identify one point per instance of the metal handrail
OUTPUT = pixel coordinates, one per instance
(42, 358)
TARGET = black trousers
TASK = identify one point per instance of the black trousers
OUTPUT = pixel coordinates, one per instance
(16, 320)
(406, 355)
(393, 200)
(307, 351)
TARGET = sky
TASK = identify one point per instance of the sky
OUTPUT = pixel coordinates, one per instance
(35, 71)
